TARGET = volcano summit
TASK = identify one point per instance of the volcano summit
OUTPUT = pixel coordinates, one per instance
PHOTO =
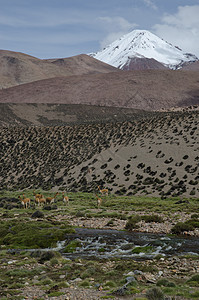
(143, 44)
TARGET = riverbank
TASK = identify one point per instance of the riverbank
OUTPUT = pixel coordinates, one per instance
(119, 224)
(25, 275)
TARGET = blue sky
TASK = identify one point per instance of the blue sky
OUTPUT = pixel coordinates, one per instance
(63, 28)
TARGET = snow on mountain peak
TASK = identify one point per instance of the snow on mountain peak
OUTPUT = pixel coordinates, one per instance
(142, 43)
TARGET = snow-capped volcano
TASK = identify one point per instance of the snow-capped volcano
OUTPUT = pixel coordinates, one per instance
(142, 44)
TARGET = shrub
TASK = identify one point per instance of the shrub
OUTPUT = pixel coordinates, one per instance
(54, 261)
(181, 227)
(148, 180)
(193, 222)
(85, 284)
(152, 218)
(71, 247)
(194, 278)
(195, 216)
(144, 249)
(192, 193)
(165, 282)
(117, 167)
(80, 214)
(104, 166)
(127, 173)
(155, 293)
(132, 222)
(162, 282)
(122, 191)
(110, 284)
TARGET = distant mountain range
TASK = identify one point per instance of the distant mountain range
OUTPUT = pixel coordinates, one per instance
(137, 50)
(143, 47)
(98, 80)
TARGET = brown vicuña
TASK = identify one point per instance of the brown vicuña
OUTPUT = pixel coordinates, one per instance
(99, 201)
(50, 200)
(103, 191)
(65, 198)
(25, 201)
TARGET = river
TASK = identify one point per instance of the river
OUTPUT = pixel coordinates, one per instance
(100, 244)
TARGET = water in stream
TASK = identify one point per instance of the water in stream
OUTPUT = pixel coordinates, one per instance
(120, 244)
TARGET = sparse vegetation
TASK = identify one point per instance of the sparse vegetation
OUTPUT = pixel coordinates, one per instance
(35, 163)
(152, 188)
(49, 270)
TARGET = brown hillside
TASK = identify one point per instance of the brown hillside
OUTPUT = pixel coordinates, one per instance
(155, 155)
(191, 67)
(146, 89)
(18, 68)
(143, 63)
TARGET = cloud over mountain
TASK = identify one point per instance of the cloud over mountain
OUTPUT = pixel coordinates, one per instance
(181, 28)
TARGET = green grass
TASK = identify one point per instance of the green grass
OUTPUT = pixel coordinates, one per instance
(85, 284)
(108, 273)
(145, 249)
(17, 273)
(80, 200)
(71, 247)
(19, 234)
(55, 294)
(19, 230)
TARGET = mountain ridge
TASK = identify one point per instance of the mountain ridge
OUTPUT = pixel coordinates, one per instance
(18, 68)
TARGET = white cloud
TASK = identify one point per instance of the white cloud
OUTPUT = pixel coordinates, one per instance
(116, 27)
(150, 4)
(181, 29)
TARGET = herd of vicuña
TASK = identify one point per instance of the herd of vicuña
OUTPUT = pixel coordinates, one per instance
(40, 200)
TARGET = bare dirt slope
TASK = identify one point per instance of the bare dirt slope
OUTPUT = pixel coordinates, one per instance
(18, 68)
(155, 155)
(147, 89)
(143, 63)
(191, 67)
